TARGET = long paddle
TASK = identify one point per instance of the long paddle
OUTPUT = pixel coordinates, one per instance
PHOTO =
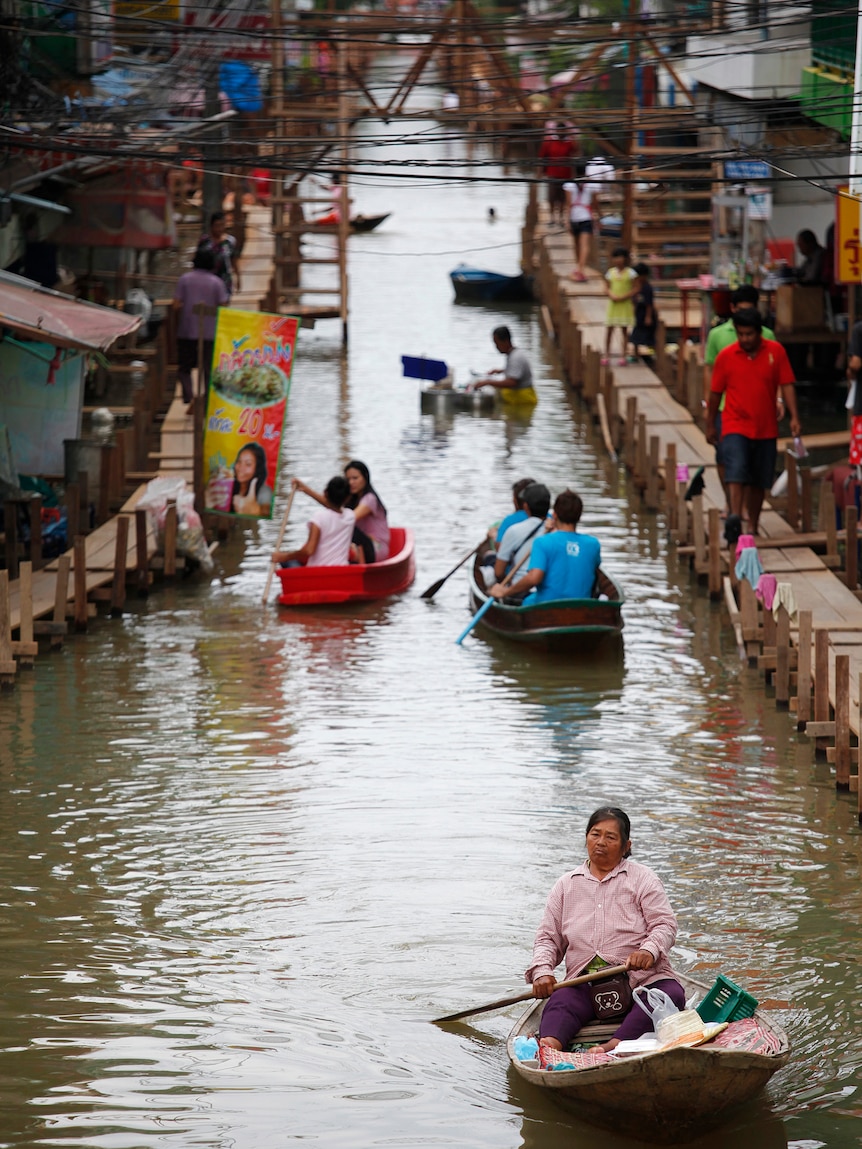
(486, 606)
(435, 586)
(609, 971)
(278, 544)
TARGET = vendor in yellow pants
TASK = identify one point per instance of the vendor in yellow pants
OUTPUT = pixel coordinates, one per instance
(514, 380)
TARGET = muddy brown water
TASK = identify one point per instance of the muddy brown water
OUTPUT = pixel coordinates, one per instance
(248, 853)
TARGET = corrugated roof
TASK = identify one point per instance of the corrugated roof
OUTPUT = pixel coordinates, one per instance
(35, 312)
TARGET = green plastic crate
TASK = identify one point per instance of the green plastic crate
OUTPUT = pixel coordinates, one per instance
(726, 1001)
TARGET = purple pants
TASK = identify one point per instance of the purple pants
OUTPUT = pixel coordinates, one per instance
(569, 1010)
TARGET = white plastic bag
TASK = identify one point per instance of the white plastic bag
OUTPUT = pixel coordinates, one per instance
(655, 1003)
(190, 536)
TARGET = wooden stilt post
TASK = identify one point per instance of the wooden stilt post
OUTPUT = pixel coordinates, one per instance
(61, 597)
(769, 637)
(803, 673)
(714, 554)
(170, 539)
(8, 666)
(35, 508)
(121, 550)
(671, 508)
(851, 547)
(630, 439)
(821, 683)
(142, 563)
(748, 617)
(782, 660)
(26, 648)
(641, 454)
(80, 582)
(842, 722)
(652, 499)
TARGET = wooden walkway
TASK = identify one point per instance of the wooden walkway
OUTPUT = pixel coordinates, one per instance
(653, 419)
(122, 550)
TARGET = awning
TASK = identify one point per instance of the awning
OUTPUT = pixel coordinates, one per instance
(35, 312)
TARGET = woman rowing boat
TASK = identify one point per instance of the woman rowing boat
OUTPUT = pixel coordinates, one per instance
(611, 910)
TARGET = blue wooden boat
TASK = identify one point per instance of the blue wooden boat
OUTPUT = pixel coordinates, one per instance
(472, 285)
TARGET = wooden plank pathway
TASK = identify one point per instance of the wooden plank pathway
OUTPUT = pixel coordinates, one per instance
(124, 547)
(653, 419)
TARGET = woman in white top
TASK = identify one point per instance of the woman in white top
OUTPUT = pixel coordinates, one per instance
(329, 529)
(579, 204)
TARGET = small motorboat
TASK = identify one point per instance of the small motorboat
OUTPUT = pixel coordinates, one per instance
(356, 582)
(475, 286)
(571, 625)
(670, 1095)
(358, 223)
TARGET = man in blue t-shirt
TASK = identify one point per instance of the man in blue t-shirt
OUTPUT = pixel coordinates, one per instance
(563, 564)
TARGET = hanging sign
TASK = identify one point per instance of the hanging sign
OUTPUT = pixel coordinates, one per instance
(848, 253)
(249, 387)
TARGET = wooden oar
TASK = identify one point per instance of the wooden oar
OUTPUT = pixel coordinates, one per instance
(435, 586)
(609, 971)
(278, 544)
(486, 606)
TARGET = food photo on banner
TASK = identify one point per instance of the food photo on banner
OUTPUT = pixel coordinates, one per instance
(246, 408)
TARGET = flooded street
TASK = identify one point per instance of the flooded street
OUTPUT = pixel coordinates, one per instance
(248, 853)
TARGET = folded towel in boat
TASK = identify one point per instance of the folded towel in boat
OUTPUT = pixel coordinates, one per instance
(580, 1059)
(748, 565)
(748, 1036)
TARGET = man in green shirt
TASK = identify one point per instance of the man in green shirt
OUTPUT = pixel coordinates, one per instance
(720, 337)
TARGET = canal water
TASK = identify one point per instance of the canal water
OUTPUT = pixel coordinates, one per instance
(248, 853)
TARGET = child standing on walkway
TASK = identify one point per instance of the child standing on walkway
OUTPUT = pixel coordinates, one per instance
(621, 278)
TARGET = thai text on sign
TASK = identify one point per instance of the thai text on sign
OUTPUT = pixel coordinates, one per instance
(249, 386)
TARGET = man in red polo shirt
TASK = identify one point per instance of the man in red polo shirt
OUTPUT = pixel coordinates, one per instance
(557, 153)
(749, 372)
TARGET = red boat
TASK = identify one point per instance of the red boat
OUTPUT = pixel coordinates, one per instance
(358, 582)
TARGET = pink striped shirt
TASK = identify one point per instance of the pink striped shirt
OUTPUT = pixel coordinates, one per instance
(585, 917)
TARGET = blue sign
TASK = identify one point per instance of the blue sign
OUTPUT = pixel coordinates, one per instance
(746, 170)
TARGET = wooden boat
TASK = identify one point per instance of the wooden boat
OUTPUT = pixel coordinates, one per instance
(475, 286)
(571, 625)
(358, 223)
(669, 1096)
(357, 582)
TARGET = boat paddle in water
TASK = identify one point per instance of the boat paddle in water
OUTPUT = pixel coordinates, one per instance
(435, 586)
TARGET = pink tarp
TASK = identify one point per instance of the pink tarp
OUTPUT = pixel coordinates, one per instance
(49, 317)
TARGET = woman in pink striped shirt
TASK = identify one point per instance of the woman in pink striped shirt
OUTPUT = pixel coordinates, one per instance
(611, 910)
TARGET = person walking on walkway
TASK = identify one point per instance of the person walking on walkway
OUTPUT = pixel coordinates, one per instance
(749, 372)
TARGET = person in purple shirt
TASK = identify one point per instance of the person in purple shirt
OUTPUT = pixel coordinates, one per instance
(370, 542)
(563, 564)
(198, 286)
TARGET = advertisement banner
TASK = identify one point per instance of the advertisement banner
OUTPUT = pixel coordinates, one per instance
(246, 408)
(848, 265)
